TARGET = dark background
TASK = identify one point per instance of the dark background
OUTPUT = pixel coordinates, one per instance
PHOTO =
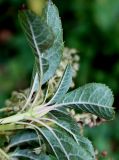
(92, 27)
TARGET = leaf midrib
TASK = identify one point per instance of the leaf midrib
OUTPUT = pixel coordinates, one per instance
(78, 103)
(35, 43)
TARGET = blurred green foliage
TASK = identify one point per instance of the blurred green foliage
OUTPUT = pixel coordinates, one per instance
(16, 58)
(90, 26)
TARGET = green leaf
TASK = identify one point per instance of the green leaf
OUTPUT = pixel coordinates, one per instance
(63, 86)
(23, 137)
(54, 53)
(64, 137)
(39, 36)
(64, 121)
(38, 33)
(67, 123)
(45, 37)
(65, 147)
(93, 98)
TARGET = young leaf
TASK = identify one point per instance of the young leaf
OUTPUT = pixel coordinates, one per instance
(63, 86)
(45, 37)
(39, 36)
(38, 33)
(93, 98)
(54, 53)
